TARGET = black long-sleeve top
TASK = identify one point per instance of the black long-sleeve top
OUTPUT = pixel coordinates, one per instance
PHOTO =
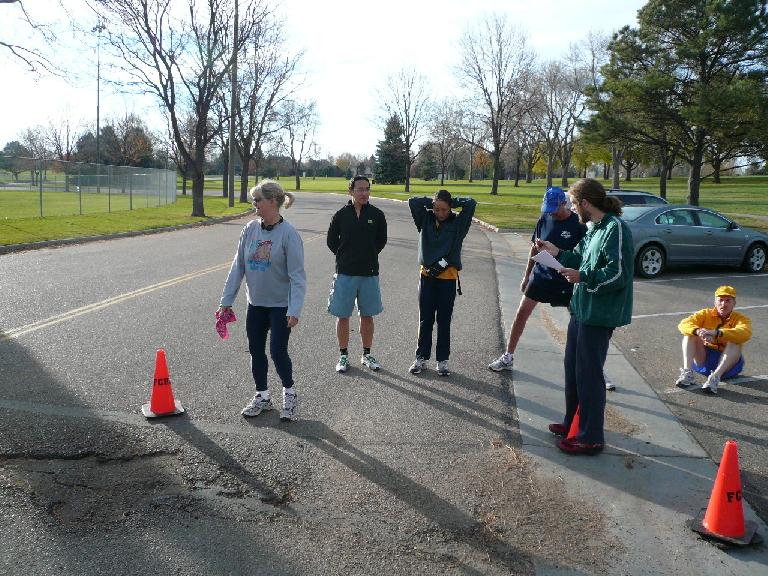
(356, 242)
(443, 240)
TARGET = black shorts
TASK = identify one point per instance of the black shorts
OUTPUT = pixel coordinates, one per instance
(552, 297)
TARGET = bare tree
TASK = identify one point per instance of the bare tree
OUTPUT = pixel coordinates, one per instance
(299, 121)
(496, 67)
(268, 79)
(472, 130)
(406, 97)
(182, 56)
(33, 139)
(442, 131)
(33, 58)
(60, 138)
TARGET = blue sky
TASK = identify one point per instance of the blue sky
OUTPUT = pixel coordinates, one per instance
(350, 49)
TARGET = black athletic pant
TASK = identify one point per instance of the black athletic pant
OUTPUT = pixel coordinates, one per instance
(585, 353)
(436, 298)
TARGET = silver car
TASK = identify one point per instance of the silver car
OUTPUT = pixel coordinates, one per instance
(680, 234)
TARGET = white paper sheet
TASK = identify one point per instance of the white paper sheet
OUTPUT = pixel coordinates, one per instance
(547, 259)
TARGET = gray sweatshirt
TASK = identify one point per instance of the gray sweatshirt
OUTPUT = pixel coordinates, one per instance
(272, 262)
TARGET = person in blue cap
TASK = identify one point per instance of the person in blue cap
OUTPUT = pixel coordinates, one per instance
(562, 228)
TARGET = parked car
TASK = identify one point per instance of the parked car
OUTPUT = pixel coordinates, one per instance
(636, 197)
(675, 234)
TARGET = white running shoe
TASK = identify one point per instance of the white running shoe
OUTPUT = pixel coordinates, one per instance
(290, 409)
(418, 365)
(343, 364)
(370, 361)
(686, 378)
(503, 362)
(711, 384)
(442, 368)
(256, 406)
(608, 384)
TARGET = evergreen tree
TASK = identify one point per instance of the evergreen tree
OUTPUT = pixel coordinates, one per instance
(427, 167)
(391, 159)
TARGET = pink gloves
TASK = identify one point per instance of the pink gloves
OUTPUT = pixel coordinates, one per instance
(222, 319)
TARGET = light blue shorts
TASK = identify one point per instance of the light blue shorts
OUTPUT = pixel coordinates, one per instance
(348, 290)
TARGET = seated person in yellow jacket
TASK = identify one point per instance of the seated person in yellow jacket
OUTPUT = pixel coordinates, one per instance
(712, 341)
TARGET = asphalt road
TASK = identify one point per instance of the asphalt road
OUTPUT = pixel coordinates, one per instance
(385, 472)
(740, 410)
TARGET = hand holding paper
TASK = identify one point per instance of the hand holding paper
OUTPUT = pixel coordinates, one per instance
(547, 259)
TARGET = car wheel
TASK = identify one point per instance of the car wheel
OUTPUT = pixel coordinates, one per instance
(754, 261)
(650, 261)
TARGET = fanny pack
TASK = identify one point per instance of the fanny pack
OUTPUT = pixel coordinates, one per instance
(436, 268)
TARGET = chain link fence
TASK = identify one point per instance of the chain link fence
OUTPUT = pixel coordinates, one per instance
(31, 187)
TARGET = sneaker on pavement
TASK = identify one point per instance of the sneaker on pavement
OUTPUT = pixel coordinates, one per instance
(608, 384)
(686, 378)
(578, 448)
(290, 409)
(369, 361)
(503, 362)
(343, 364)
(442, 368)
(256, 406)
(711, 384)
(418, 365)
(558, 429)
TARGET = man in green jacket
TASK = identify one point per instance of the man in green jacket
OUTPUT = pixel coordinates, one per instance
(601, 267)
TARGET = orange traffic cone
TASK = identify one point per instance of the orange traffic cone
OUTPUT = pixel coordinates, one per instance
(161, 401)
(724, 516)
(574, 429)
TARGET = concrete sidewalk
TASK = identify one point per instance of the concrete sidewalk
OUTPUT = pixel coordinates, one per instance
(653, 476)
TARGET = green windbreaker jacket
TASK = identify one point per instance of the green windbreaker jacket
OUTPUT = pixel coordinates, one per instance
(605, 261)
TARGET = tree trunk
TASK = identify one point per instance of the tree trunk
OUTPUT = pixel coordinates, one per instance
(244, 185)
(716, 166)
(694, 178)
(616, 157)
(184, 183)
(471, 157)
(663, 178)
(198, 186)
(225, 180)
(408, 175)
(550, 169)
(296, 169)
(518, 163)
(496, 172)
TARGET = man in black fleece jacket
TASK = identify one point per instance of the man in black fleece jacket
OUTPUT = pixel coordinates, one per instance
(358, 232)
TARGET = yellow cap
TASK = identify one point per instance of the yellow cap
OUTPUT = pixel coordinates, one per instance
(726, 291)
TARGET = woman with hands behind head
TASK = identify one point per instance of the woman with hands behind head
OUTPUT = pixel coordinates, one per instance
(270, 254)
(441, 233)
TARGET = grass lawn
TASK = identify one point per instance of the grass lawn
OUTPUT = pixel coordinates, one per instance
(35, 229)
(745, 199)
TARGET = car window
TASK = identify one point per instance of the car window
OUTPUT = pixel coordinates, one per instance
(676, 218)
(655, 200)
(711, 220)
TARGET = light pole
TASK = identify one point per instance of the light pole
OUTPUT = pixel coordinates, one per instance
(99, 28)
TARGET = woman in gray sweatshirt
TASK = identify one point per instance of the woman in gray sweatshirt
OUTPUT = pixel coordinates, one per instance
(270, 255)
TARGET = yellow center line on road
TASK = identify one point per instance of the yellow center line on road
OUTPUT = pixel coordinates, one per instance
(21, 330)
(57, 319)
